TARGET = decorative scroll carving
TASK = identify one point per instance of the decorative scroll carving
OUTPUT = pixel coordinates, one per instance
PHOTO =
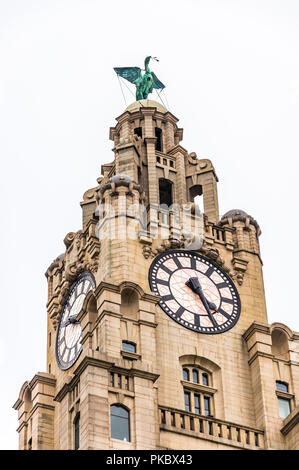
(82, 254)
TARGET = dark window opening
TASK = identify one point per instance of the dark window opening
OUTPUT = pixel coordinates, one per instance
(165, 192)
(186, 375)
(138, 131)
(194, 191)
(30, 444)
(77, 432)
(205, 379)
(207, 406)
(158, 134)
(112, 379)
(197, 404)
(195, 376)
(187, 401)
(120, 425)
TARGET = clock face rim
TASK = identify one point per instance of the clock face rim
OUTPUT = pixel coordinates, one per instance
(220, 270)
(85, 275)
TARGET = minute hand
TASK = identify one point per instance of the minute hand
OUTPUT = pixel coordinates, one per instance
(195, 286)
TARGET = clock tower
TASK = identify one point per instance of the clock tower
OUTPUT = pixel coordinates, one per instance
(156, 318)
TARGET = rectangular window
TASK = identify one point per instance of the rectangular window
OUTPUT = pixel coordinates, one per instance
(112, 379)
(187, 401)
(77, 432)
(119, 380)
(282, 386)
(172, 419)
(182, 421)
(195, 376)
(205, 379)
(197, 404)
(207, 406)
(284, 407)
(129, 347)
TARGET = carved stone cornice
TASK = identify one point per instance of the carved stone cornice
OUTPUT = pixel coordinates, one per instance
(290, 422)
(103, 364)
(254, 328)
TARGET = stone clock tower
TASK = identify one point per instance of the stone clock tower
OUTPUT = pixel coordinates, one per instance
(157, 326)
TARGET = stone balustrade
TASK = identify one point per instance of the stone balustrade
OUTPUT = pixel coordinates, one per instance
(210, 428)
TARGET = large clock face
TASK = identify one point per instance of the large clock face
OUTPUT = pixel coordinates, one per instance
(195, 291)
(68, 339)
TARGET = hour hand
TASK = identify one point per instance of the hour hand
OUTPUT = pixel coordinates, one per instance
(194, 285)
(70, 320)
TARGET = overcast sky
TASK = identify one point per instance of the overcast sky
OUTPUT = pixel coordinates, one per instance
(231, 70)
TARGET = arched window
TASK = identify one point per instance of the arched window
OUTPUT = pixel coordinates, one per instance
(120, 422)
(205, 379)
(186, 375)
(77, 431)
(195, 376)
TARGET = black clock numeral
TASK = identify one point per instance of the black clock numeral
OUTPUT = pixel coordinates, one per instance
(193, 263)
(196, 320)
(179, 312)
(161, 281)
(221, 285)
(165, 298)
(166, 269)
(210, 271)
(228, 301)
(177, 262)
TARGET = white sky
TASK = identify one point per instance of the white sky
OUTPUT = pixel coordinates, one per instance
(232, 74)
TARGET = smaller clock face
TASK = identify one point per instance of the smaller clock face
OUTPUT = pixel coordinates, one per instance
(195, 291)
(68, 339)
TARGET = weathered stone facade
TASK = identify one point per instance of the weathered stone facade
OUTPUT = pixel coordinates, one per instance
(243, 364)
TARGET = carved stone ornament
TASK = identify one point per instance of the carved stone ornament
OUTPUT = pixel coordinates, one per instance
(82, 254)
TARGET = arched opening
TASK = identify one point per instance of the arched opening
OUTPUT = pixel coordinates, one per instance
(158, 134)
(119, 422)
(129, 301)
(165, 192)
(280, 344)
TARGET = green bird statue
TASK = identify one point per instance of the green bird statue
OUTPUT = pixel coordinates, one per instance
(144, 83)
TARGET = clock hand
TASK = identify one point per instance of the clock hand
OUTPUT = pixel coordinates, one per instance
(195, 286)
(70, 320)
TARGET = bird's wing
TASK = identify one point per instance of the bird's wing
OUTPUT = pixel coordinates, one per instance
(129, 73)
(156, 82)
